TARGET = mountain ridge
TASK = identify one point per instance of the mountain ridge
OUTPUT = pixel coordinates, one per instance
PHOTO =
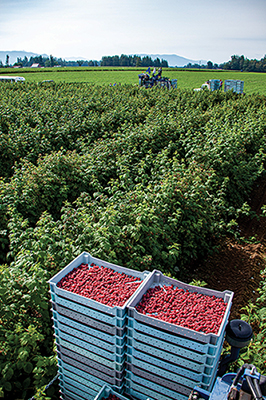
(173, 59)
(14, 54)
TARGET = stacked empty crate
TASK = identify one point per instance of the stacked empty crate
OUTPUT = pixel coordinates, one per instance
(90, 336)
(165, 361)
(232, 84)
(214, 84)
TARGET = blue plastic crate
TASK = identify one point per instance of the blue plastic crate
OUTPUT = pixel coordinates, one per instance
(70, 386)
(135, 327)
(109, 372)
(78, 378)
(90, 342)
(89, 312)
(86, 258)
(106, 391)
(157, 278)
(119, 366)
(63, 323)
(152, 364)
(82, 378)
(165, 378)
(92, 378)
(64, 360)
(89, 347)
(151, 389)
(70, 391)
(236, 85)
(174, 83)
(214, 84)
(68, 394)
(58, 311)
(164, 386)
(157, 361)
(150, 345)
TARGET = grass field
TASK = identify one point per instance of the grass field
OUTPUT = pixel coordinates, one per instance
(186, 79)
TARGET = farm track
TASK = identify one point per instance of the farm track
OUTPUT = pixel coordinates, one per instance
(237, 266)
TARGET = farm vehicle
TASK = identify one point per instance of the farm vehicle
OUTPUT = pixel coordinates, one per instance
(148, 81)
(246, 383)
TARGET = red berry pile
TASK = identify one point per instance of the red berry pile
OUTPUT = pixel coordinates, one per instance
(111, 397)
(191, 310)
(101, 284)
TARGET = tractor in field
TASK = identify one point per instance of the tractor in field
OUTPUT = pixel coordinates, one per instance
(156, 80)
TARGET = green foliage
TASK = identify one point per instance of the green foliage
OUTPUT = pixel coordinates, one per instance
(255, 314)
(139, 178)
(27, 358)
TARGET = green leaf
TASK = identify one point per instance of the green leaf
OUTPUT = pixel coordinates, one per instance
(8, 374)
(7, 386)
(28, 367)
(26, 383)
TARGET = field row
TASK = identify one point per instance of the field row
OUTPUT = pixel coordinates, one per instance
(186, 79)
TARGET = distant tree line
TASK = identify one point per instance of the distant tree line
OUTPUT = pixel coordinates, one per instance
(132, 61)
(241, 63)
(237, 63)
(106, 61)
(209, 65)
(49, 62)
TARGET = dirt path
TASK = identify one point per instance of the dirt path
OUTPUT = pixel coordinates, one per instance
(237, 266)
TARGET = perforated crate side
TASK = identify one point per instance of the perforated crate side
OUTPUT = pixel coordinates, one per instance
(78, 378)
(162, 377)
(90, 342)
(109, 372)
(157, 278)
(165, 384)
(76, 391)
(151, 364)
(87, 311)
(151, 390)
(92, 356)
(90, 322)
(133, 393)
(91, 371)
(139, 342)
(157, 361)
(86, 379)
(89, 347)
(70, 385)
(62, 323)
(86, 258)
(136, 327)
(96, 379)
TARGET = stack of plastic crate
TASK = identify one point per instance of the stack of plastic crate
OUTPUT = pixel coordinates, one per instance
(236, 85)
(239, 86)
(90, 336)
(165, 361)
(214, 84)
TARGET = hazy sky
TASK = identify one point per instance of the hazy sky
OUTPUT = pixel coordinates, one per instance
(196, 29)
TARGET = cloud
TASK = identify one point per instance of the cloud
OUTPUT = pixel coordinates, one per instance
(85, 28)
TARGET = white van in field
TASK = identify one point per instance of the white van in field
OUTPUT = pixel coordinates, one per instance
(11, 78)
